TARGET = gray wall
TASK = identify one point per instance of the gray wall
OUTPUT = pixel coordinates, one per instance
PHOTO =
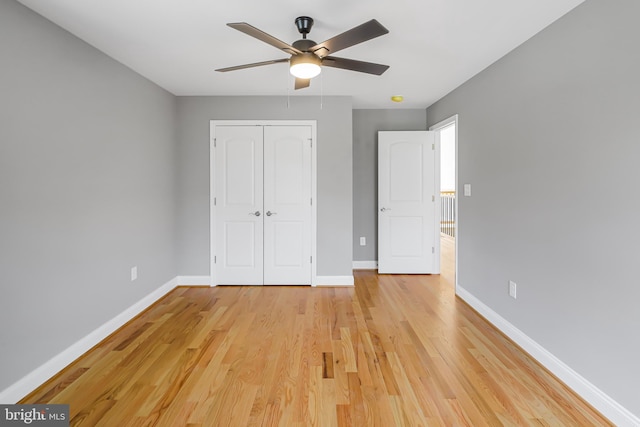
(548, 137)
(86, 189)
(334, 152)
(366, 124)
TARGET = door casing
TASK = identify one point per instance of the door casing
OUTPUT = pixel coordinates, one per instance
(453, 120)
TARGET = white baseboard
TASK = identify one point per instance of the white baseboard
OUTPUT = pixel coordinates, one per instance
(194, 280)
(38, 376)
(365, 265)
(611, 409)
(334, 281)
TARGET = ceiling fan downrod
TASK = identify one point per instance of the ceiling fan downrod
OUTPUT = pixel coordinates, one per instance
(304, 24)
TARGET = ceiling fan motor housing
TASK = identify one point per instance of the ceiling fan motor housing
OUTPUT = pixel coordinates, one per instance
(304, 45)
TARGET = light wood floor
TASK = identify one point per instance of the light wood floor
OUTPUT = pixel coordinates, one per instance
(393, 351)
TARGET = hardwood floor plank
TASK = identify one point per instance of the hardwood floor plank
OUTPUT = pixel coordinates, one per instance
(348, 353)
(413, 411)
(395, 350)
(340, 377)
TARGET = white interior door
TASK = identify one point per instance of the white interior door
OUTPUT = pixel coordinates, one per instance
(262, 205)
(239, 227)
(407, 202)
(287, 205)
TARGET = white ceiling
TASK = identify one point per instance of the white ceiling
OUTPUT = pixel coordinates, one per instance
(433, 46)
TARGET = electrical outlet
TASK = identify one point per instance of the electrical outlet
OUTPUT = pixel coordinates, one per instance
(134, 273)
(363, 241)
(512, 289)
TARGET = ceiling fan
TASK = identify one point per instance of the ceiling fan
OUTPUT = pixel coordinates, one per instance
(308, 56)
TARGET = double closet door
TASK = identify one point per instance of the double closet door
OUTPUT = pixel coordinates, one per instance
(262, 201)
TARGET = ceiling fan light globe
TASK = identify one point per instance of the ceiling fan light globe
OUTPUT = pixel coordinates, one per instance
(305, 66)
(305, 71)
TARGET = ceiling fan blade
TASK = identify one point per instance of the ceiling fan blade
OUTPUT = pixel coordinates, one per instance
(353, 65)
(367, 31)
(255, 64)
(262, 36)
(302, 83)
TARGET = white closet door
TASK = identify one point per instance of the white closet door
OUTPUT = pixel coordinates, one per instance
(406, 202)
(287, 205)
(239, 201)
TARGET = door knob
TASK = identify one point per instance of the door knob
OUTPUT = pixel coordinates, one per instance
(256, 213)
(385, 209)
(269, 213)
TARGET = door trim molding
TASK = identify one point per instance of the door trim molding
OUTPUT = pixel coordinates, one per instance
(314, 185)
(453, 120)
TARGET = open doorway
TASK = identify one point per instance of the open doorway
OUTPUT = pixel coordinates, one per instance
(447, 144)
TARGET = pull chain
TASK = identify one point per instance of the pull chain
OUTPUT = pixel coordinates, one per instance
(321, 90)
(288, 90)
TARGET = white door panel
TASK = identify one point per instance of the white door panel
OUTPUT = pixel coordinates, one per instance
(241, 155)
(405, 234)
(287, 244)
(287, 205)
(405, 181)
(406, 194)
(236, 236)
(239, 200)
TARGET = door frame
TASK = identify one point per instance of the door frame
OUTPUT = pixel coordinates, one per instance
(314, 186)
(453, 120)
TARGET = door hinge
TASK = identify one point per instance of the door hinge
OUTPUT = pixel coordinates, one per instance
(433, 250)
(433, 198)
(311, 260)
(311, 142)
(215, 260)
(215, 140)
(214, 201)
(433, 146)
(311, 201)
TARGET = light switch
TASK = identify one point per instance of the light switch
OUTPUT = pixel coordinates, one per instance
(467, 190)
